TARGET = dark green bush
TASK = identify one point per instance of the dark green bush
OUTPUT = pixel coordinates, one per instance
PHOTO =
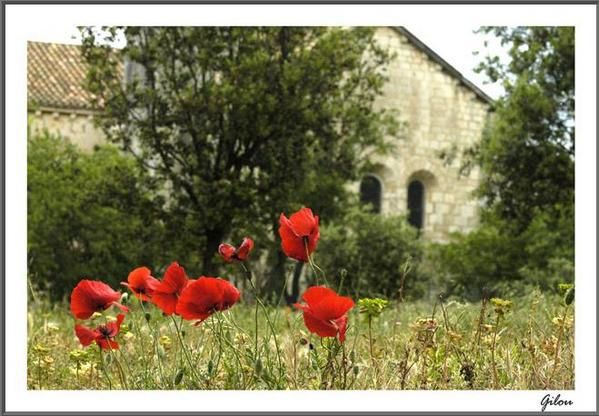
(495, 260)
(375, 251)
(89, 215)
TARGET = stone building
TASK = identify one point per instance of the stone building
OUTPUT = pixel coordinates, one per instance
(439, 108)
(56, 99)
(441, 111)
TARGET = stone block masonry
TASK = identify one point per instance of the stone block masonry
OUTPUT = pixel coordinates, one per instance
(440, 113)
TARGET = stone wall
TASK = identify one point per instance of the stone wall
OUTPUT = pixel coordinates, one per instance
(78, 127)
(439, 113)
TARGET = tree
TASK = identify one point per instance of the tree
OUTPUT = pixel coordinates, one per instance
(527, 155)
(527, 161)
(242, 124)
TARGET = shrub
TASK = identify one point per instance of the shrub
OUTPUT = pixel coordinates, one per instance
(495, 260)
(368, 253)
(89, 215)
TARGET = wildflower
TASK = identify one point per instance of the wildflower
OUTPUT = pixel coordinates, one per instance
(78, 356)
(165, 341)
(204, 296)
(501, 306)
(103, 335)
(167, 293)
(299, 234)
(41, 349)
(91, 296)
(325, 312)
(372, 307)
(52, 327)
(230, 253)
(141, 282)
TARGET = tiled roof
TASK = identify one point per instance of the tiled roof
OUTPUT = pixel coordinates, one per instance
(55, 75)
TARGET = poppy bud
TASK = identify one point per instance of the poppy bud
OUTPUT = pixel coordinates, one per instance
(356, 370)
(147, 316)
(303, 341)
(311, 346)
(258, 366)
(179, 376)
(569, 298)
(210, 367)
(183, 333)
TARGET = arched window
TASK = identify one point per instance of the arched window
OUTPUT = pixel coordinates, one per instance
(416, 204)
(370, 192)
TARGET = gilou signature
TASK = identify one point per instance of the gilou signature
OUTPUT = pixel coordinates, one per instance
(549, 400)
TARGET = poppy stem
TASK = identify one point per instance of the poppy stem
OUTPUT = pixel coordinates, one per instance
(249, 277)
(270, 325)
(314, 265)
(185, 352)
(121, 372)
(104, 369)
(155, 341)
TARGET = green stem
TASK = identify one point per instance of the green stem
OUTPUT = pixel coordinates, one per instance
(266, 315)
(154, 342)
(185, 352)
(493, 365)
(104, 369)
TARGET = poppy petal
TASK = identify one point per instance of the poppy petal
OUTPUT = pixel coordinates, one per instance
(91, 296)
(200, 298)
(166, 302)
(341, 325)
(230, 295)
(86, 335)
(107, 344)
(332, 307)
(244, 249)
(303, 222)
(315, 294)
(226, 251)
(293, 246)
(318, 326)
(174, 280)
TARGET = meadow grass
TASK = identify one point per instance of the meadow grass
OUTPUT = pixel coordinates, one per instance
(415, 345)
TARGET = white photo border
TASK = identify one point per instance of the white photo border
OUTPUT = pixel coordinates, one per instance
(24, 22)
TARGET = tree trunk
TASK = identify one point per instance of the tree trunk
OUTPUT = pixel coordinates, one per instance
(295, 283)
(276, 278)
(213, 240)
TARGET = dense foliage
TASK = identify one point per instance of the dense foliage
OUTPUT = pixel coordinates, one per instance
(89, 214)
(372, 255)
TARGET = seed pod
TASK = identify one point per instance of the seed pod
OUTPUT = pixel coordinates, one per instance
(147, 316)
(258, 366)
(569, 297)
(179, 376)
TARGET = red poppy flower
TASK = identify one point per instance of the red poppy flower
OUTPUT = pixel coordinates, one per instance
(141, 283)
(325, 312)
(204, 296)
(230, 253)
(91, 296)
(299, 234)
(103, 335)
(167, 292)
